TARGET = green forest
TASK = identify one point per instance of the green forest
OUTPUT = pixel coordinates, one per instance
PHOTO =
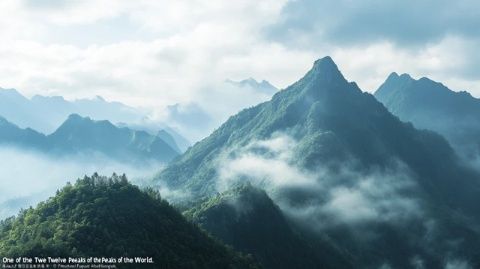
(109, 217)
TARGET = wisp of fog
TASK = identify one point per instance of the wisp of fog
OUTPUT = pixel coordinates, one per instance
(28, 177)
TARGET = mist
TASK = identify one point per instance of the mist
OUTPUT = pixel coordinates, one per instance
(324, 197)
(200, 116)
(457, 264)
(27, 177)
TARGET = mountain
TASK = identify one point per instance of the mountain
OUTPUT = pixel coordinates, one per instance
(198, 118)
(109, 217)
(82, 135)
(16, 107)
(431, 105)
(339, 164)
(190, 119)
(262, 86)
(169, 139)
(12, 134)
(46, 113)
(166, 132)
(247, 219)
(182, 143)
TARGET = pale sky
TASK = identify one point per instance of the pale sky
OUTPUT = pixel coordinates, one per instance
(157, 53)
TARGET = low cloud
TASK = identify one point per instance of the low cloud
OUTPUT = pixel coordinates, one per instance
(198, 118)
(343, 202)
(28, 177)
(265, 163)
(458, 264)
(375, 197)
(322, 198)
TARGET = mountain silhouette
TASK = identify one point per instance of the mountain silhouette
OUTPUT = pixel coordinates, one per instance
(431, 105)
(360, 175)
(247, 219)
(82, 135)
(109, 217)
(262, 86)
(46, 113)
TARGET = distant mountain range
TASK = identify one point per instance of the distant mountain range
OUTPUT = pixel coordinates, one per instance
(262, 86)
(197, 121)
(321, 176)
(82, 135)
(45, 113)
(431, 105)
(343, 170)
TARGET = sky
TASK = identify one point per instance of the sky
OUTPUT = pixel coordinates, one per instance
(155, 54)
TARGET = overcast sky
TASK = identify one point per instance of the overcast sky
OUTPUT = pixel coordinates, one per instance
(158, 53)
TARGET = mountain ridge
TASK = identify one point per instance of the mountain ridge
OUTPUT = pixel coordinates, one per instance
(346, 139)
(431, 105)
(109, 217)
(46, 113)
(83, 135)
(245, 215)
(262, 86)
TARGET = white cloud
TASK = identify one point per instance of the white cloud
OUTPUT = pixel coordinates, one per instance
(159, 53)
(448, 61)
(27, 177)
(265, 163)
(457, 264)
(375, 197)
(329, 198)
(191, 48)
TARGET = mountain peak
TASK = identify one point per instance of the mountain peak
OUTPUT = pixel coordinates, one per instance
(76, 117)
(77, 121)
(406, 76)
(11, 93)
(261, 86)
(56, 98)
(405, 83)
(99, 98)
(4, 121)
(327, 60)
(326, 68)
(395, 77)
(267, 84)
(394, 83)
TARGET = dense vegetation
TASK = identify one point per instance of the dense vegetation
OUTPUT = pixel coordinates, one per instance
(431, 105)
(79, 135)
(336, 125)
(358, 188)
(247, 219)
(109, 217)
(356, 125)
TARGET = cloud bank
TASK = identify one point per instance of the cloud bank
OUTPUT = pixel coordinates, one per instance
(27, 178)
(159, 53)
(322, 198)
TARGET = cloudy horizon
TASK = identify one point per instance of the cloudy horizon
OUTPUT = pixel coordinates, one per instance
(155, 54)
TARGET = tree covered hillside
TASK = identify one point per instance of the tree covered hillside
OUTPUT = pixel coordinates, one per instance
(338, 164)
(247, 219)
(431, 105)
(109, 217)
